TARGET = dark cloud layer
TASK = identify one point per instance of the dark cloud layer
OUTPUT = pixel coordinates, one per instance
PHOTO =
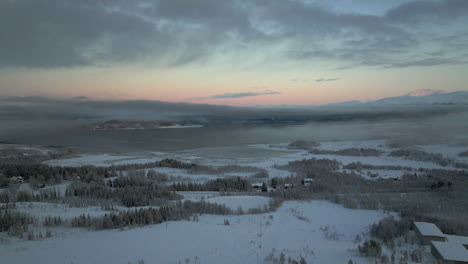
(66, 33)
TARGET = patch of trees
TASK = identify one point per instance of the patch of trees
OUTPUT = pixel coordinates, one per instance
(311, 166)
(463, 154)
(390, 228)
(361, 166)
(370, 248)
(130, 191)
(14, 222)
(420, 155)
(231, 184)
(45, 195)
(440, 184)
(38, 174)
(157, 176)
(52, 221)
(148, 216)
(303, 144)
(167, 163)
(364, 152)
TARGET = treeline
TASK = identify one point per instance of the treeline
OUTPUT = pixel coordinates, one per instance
(130, 191)
(44, 174)
(420, 155)
(311, 167)
(389, 228)
(148, 216)
(231, 184)
(364, 152)
(361, 166)
(38, 174)
(167, 163)
(303, 144)
(45, 195)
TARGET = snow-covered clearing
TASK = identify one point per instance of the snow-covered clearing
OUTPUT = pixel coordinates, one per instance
(198, 196)
(102, 160)
(266, 157)
(296, 229)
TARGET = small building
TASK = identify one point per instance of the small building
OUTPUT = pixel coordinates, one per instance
(429, 232)
(257, 185)
(449, 252)
(287, 186)
(462, 240)
(17, 179)
(307, 181)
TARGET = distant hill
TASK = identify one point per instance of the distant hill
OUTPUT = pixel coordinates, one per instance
(129, 124)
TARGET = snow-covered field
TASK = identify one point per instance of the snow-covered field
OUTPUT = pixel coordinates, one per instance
(319, 231)
(266, 157)
(101, 160)
(198, 196)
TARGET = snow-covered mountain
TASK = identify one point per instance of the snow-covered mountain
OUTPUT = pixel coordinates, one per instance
(432, 98)
(418, 97)
(425, 92)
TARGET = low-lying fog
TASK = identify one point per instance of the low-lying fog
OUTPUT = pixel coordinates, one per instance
(61, 123)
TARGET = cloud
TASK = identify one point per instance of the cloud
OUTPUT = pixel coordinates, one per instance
(426, 62)
(171, 33)
(67, 33)
(234, 95)
(56, 33)
(327, 80)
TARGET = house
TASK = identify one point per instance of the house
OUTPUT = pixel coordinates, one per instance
(462, 240)
(257, 185)
(447, 249)
(449, 252)
(307, 181)
(428, 232)
(287, 186)
(17, 179)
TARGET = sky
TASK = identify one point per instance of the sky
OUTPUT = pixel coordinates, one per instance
(232, 52)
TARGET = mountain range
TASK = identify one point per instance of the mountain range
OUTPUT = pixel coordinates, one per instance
(421, 97)
(417, 97)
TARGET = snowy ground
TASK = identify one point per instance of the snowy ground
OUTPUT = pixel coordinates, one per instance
(198, 196)
(266, 157)
(319, 231)
(102, 160)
